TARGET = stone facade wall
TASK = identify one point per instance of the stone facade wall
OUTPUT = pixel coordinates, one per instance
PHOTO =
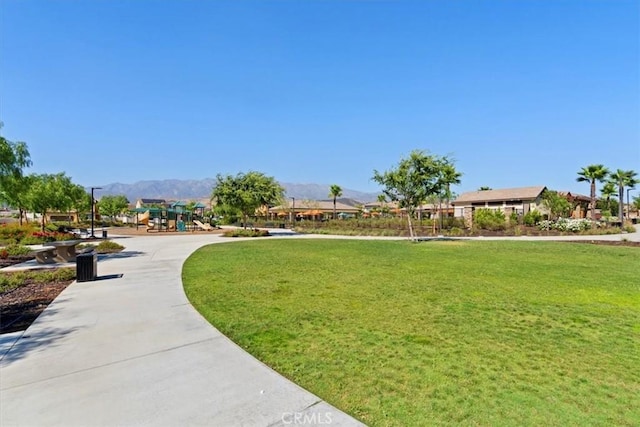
(467, 214)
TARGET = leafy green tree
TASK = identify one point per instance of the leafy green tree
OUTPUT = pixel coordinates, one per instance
(113, 205)
(591, 174)
(636, 203)
(46, 193)
(72, 196)
(14, 192)
(335, 191)
(14, 157)
(484, 188)
(246, 192)
(557, 205)
(79, 200)
(448, 176)
(623, 179)
(608, 208)
(412, 181)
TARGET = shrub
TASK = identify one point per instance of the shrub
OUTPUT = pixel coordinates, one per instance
(250, 232)
(13, 233)
(513, 218)
(564, 224)
(9, 281)
(39, 237)
(104, 247)
(17, 250)
(455, 231)
(31, 240)
(490, 219)
(532, 218)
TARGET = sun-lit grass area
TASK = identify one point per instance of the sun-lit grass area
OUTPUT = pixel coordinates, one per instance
(395, 333)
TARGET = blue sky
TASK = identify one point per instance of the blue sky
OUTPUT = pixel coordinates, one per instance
(519, 92)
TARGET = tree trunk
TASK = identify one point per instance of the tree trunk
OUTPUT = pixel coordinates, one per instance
(621, 204)
(411, 234)
(593, 200)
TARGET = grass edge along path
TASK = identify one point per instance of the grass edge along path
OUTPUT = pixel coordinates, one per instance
(394, 333)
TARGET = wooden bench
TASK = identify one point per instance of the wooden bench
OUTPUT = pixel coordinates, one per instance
(46, 255)
(65, 250)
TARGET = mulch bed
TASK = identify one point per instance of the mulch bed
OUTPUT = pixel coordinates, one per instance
(21, 306)
(13, 260)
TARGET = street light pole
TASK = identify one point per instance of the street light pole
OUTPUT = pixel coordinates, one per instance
(628, 205)
(293, 211)
(93, 207)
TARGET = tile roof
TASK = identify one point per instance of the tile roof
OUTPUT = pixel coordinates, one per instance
(523, 193)
(322, 205)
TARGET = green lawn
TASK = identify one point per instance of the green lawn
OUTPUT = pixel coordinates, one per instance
(395, 333)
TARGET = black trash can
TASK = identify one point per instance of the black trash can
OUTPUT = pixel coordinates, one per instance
(104, 234)
(86, 266)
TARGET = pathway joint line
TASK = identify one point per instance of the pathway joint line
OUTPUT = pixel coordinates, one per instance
(116, 362)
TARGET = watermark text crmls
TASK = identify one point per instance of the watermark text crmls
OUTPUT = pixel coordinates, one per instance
(303, 418)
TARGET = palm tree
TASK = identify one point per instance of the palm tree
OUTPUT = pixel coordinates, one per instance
(608, 190)
(622, 179)
(591, 174)
(335, 191)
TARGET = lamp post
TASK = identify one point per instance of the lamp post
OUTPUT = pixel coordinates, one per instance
(293, 211)
(93, 209)
(628, 205)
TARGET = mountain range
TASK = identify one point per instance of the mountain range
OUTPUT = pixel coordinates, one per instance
(175, 189)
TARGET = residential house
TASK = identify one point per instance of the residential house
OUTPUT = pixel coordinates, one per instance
(311, 209)
(580, 204)
(142, 203)
(519, 200)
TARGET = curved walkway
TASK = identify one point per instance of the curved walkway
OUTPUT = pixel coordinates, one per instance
(129, 349)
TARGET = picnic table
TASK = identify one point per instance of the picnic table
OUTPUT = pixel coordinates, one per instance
(65, 250)
(46, 255)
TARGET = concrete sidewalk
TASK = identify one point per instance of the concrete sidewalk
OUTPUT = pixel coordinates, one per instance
(129, 349)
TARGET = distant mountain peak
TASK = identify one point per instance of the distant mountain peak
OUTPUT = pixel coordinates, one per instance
(176, 189)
